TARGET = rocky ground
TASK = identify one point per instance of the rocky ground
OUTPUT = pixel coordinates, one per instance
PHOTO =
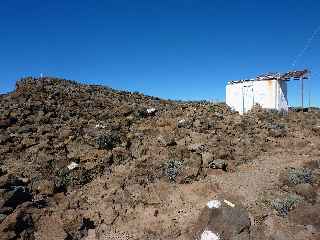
(88, 162)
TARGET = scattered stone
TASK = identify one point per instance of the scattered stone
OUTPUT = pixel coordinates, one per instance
(85, 226)
(2, 217)
(6, 210)
(214, 204)
(120, 155)
(16, 196)
(208, 235)
(101, 126)
(25, 129)
(230, 204)
(218, 164)
(9, 181)
(3, 171)
(4, 138)
(166, 141)
(183, 123)
(18, 225)
(44, 187)
(151, 111)
(122, 178)
(195, 147)
(5, 123)
(277, 130)
(73, 165)
(316, 130)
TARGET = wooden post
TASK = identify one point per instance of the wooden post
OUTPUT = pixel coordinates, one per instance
(309, 98)
(302, 93)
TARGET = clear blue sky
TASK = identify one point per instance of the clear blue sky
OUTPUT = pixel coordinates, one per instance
(178, 49)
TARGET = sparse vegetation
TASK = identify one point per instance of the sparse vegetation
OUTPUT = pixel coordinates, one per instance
(172, 168)
(63, 179)
(278, 130)
(284, 205)
(135, 165)
(108, 140)
(299, 175)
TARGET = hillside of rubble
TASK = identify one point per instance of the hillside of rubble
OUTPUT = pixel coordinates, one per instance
(89, 162)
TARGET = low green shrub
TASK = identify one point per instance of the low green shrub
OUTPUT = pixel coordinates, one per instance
(299, 175)
(284, 205)
(172, 168)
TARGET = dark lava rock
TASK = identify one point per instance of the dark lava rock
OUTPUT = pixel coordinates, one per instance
(4, 123)
(2, 217)
(6, 210)
(2, 171)
(15, 197)
(218, 164)
(86, 224)
(8, 181)
(18, 225)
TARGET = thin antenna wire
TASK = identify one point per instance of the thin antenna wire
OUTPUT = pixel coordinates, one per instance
(306, 46)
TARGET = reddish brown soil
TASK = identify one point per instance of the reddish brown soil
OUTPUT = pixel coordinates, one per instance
(144, 173)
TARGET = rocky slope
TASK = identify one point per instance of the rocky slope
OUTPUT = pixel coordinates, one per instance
(88, 162)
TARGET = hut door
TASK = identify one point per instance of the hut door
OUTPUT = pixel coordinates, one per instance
(248, 97)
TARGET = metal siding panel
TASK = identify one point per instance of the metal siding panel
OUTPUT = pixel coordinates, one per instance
(234, 96)
(283, 100)
(271, 94)
(248, 97)
(263, 93)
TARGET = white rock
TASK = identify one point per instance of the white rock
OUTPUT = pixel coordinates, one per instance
(182, 121)
(214, 204)
(208, 235)
(100, 126)
(151, 110)
(230, 204)
(72, 165)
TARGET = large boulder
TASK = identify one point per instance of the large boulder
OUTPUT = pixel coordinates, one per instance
(222, 219)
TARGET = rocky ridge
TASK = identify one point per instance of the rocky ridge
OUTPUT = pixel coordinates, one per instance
(107, 164)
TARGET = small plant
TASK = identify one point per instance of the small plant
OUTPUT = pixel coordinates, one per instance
(211, 108)
(172, 168)
(283, 206)
(108, 140)
(278, 130)
(299, 175)
(63, 179)
(51, 164)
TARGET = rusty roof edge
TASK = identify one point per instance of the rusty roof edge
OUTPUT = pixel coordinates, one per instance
(296, 75)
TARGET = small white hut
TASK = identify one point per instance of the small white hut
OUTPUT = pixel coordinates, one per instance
(269, 91)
